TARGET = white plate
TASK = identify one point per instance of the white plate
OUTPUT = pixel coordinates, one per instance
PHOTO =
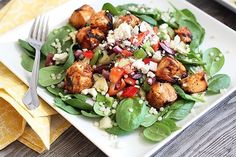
(134, 144)
(229, 4)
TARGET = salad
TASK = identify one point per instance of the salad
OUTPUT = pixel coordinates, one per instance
(129, 67)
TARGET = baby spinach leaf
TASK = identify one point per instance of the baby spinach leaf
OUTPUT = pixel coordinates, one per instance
(185, 96)
(157, 132)
(45, 73)
(110, 8)
(107, 101)
(80, 102)
(115, 130)
(135, 9)
(97, 109)
(180, 109)
(189, 14)
(189, 59)
(214, 60)
(55, 91)
(27, 62)
(148, 19)
(217, 83)
(170, 123)
(149, 119)
(28, 49)
(130, 114)
(69, 109)
(61, 34)
(89, 114)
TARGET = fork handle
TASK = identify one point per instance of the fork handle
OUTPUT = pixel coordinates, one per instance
(34, 80)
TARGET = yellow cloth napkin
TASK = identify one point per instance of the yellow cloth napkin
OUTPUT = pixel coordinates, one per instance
(44, 125)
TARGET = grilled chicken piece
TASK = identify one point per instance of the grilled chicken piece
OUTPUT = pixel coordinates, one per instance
(90, 38)
(102, 20)
(195, 83)
(78, 77)
(160, 94)
(184, 34)
(129, 19)
(81, 16)
(170, 70)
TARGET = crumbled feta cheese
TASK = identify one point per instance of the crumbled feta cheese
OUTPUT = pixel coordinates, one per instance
(135, 30)
(145, 68)
(217, 59)
(61, 84)
(159, 118)
(53, 86)
(162, 109)
(124, 31)
(163, 26)
(150, 74)
(91, 91)
(144, 26)
(60, 58)
(113, 111)
(107, 111)
(153, 111)
(179, 45)
(131, 110)
(105, 123)
(138, 64)
(152, 66)
(157, 56)
(140, 101)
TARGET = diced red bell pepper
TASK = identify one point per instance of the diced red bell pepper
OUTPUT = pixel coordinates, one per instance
(147, 60)
(88, 54)
(130, 81)
(129, 92)
(126, 53)
(156, 47)
(113, 90)
(116, 74)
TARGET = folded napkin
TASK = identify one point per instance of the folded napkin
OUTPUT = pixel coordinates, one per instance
(38, 128)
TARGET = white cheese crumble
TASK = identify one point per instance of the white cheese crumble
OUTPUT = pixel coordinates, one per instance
(179, 45)
(153, 111)
(150, 74)
(152, 66)
(105, 123)
(144, 26)
(157, 56)
(91, 91)
(124, 31)
(60, 58)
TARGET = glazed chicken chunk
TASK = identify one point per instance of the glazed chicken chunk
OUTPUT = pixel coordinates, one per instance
(170, 70)
(184, 34)
(90, 38)
(129, 19)
(81, 16)
(102, 20)
(78, 77)
(195, 83)
(160, 94)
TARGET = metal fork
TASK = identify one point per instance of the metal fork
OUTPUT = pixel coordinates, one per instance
(37, 36)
